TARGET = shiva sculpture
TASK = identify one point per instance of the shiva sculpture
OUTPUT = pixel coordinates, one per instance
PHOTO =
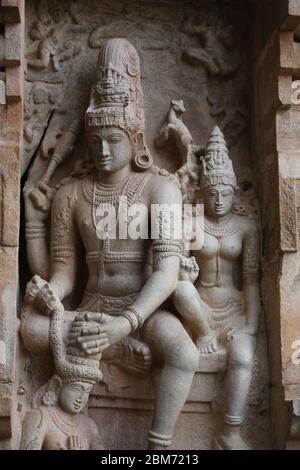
(128, 279)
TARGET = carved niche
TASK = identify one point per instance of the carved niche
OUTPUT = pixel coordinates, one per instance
(200, 82)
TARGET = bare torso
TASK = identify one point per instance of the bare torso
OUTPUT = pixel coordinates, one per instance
(216, 260)
(115, 267)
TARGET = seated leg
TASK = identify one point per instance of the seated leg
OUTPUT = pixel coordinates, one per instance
(129, 354)
(172, 347)
(188, 303)
(240, 363)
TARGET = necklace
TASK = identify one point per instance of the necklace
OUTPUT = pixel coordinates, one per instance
(108, 196)
(65, 423)
(101, 193)
(220, 230)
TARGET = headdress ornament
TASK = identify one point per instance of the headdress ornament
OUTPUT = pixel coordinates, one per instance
(216, 164)
(117, 97)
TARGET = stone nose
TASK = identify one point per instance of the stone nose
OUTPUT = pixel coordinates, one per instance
(219, 200)
(105, 148)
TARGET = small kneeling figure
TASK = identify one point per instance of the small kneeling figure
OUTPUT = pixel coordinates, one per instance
(56, 421)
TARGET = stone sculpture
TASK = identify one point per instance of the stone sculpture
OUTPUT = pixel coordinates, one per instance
(219, 315)
(55, 421)
(124, 291)
(218, 53)
(174, 125)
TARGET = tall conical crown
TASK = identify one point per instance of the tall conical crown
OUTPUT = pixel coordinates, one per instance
(117, 97)
(217, 166)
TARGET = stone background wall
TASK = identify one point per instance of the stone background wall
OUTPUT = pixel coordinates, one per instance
(11, 127)
(245, 88)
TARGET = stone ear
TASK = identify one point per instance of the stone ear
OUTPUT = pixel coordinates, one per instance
(143, 160)
(54, 383)
(237, 191)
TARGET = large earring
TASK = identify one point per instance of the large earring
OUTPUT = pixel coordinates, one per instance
(143, 160)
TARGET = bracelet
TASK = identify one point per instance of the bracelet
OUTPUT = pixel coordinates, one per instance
(35, 230)
(133, 317)
(165, 243)
(159, 439)
(132, 320)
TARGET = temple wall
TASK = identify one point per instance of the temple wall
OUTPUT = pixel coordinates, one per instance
(237, 74)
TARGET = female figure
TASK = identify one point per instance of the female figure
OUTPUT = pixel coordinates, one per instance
(217, 313)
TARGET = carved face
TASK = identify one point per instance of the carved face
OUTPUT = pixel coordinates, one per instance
(57, 11)
(74, 396)
(110, 148)
(218, 200)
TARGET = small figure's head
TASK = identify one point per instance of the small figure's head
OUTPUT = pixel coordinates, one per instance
(38, 31)
(40, 95)
(73, 397)
(229, 37)
(57, 10)
(218, 182)
(110, 148)
(178, 106)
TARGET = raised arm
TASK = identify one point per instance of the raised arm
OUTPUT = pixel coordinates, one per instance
(166, 199)
(65, 241)
(38, 201)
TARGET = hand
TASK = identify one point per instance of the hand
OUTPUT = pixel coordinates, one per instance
(244, 330)
(38, 200)
(95, 332)
(189, 269)
(39, 292)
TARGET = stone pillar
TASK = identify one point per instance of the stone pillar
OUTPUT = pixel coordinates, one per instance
(11, 126)
(277, 150)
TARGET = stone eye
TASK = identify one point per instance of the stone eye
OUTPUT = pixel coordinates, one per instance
(114, 139)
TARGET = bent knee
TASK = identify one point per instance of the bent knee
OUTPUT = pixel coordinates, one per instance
(242, 359)
(184, 291)
(183, 356)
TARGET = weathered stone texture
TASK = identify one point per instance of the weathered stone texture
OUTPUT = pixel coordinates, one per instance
(211, 74)
(11, 118)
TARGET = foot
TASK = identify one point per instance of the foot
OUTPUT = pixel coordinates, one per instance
(207, 344)
(131, 355)
(230, 441)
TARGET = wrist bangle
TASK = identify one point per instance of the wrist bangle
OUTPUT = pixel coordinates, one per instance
(133, 317)
(132, 320)
(35, 230)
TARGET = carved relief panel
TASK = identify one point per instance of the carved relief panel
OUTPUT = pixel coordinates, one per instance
(159, 115)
